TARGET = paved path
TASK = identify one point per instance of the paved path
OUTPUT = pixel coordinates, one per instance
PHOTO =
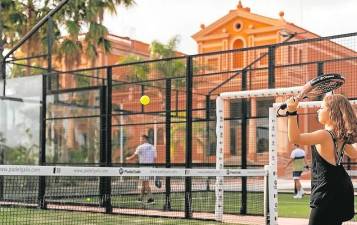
(294, 221)
(288, 184)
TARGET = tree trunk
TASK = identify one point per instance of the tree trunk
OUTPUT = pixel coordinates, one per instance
(29, 41)
(92, 125)
(3, 109)
(2, 46)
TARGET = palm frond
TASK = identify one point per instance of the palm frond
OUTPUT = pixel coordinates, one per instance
(95, 32)
(73, 28)
(105, 44)
(71, 51)
(91, 51)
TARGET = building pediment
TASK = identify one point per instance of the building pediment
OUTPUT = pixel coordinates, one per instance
(242, 14)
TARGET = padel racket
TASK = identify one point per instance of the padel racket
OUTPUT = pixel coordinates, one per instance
(318, 86)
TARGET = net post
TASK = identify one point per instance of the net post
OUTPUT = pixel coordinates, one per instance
(188, 180)
(167, 205)
(219, 158)
(42, 153)
(273, 169)
(245, 113)
(266, 195)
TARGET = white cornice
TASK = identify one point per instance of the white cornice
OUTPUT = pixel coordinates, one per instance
(213, 37)
(264, 29)
(235, 14)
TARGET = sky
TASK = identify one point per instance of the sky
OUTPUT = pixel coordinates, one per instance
(150, 20)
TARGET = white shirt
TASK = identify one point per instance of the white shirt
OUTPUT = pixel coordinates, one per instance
(297, 153)
(146, 153)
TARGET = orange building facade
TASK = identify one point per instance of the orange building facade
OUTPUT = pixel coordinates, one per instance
(239, 29)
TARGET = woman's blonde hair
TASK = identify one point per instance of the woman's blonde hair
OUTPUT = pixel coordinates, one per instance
(343, 117)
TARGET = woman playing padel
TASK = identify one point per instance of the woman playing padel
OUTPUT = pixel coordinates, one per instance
(332, 193)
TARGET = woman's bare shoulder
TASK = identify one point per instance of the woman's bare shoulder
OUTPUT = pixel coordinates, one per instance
(315, 137)
(322, 133)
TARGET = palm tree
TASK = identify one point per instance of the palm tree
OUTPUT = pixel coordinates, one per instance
(11, 20)
(16, 19)
(169, 68)
(86, 13)
(139, 71)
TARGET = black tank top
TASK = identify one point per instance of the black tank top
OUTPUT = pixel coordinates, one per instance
(331, 186)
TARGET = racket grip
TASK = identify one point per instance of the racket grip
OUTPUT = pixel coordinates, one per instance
(283, 106)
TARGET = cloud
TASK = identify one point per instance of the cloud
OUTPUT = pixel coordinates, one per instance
(163, 19)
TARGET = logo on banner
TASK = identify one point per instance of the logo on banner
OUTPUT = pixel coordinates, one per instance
(233, 172)
(132, 171)
(56, 170)
(121, 171)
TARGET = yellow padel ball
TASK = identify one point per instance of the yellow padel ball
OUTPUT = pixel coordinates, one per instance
(144, 100)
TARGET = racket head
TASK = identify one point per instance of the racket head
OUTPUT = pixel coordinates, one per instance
(321, 85)
(318, 86)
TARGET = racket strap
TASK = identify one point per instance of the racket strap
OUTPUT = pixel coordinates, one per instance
(341, 153)
(338, 153)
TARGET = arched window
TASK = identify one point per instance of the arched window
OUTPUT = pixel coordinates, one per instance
(238, 57)
(160, 136)
(151, 135)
